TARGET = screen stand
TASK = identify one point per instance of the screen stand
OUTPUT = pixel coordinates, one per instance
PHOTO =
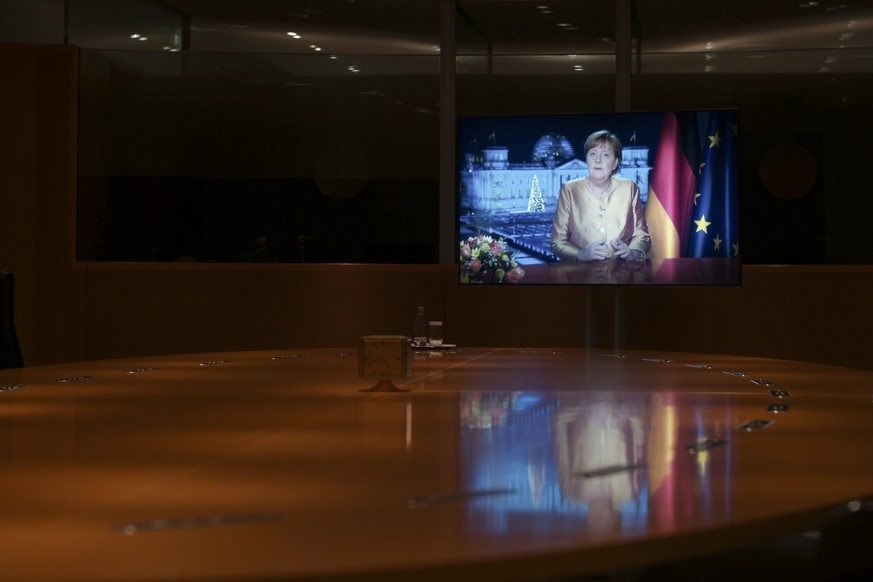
(591, 318)
(618, 319)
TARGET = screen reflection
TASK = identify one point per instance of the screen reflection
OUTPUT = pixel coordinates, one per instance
(596, 461)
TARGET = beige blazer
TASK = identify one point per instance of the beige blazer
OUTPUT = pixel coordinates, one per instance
(582, 219)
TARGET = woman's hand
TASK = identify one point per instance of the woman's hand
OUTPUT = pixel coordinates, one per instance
(622, 251)
(596, 252)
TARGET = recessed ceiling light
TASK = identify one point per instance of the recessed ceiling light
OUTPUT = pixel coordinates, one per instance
(293, 35)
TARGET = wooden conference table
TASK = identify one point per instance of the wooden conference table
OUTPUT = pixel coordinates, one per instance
(492, 464)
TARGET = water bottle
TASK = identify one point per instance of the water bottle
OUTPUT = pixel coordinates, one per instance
(419, 335)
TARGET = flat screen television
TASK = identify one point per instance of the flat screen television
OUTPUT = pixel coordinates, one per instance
(527, 207)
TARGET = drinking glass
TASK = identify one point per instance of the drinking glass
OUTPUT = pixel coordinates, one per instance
(435, 333)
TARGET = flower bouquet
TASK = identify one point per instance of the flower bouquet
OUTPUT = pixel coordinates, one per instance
(485, 259)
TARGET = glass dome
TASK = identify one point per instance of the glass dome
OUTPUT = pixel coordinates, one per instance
(553, 148)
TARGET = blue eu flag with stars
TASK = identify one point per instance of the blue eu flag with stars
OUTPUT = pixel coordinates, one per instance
(714, 231)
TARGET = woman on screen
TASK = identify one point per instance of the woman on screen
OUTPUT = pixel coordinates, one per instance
(601, 215)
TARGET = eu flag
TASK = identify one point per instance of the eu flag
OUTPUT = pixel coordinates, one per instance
(714, 231)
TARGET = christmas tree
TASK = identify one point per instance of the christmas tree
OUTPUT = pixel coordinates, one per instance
(535, 202)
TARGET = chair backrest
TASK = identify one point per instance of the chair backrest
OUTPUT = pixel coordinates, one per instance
(844, 548)
(10, 350)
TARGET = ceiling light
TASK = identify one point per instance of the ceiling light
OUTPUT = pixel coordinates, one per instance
(293, 35)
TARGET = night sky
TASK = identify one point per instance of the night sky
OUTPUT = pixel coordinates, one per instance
(520, 133)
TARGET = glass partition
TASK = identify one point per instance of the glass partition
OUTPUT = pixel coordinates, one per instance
(247, 157)
(248, 154)
(799, 74)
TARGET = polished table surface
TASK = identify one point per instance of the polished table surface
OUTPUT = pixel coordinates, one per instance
(489, 464)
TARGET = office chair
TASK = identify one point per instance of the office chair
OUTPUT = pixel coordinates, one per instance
(10, 350)
(844, 552)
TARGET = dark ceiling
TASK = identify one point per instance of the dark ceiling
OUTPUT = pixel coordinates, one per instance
(676, 36)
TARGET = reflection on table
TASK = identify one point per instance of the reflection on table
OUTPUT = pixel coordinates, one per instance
(594, 461)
